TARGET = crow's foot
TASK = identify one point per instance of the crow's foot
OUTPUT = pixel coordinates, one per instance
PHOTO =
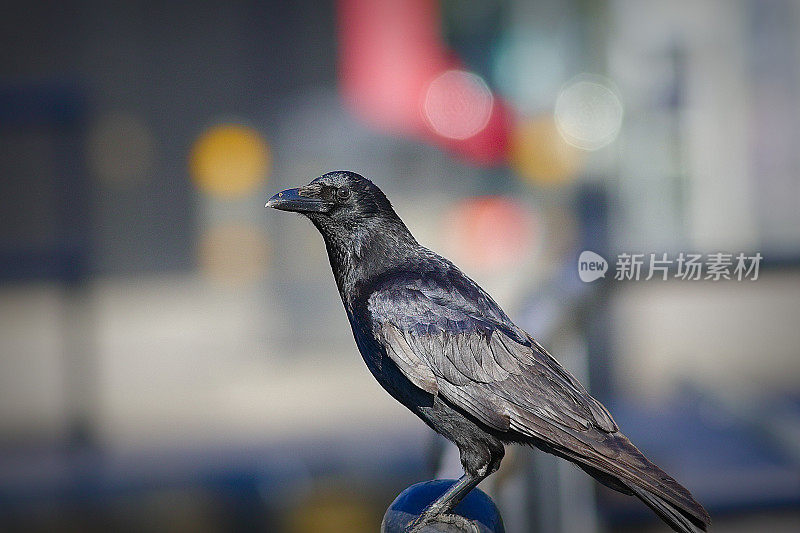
(450, 522)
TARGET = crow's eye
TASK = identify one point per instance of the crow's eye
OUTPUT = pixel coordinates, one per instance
(343, 193)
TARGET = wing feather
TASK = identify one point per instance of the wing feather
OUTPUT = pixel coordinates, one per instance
(480, 361)
(398, 349)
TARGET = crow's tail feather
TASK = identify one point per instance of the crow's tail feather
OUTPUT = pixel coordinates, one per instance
(614, 461)
(678, 519)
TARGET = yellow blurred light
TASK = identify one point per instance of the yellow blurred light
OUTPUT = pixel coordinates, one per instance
(539, 153)
(233, 254)
(332, 511)
(229, 160)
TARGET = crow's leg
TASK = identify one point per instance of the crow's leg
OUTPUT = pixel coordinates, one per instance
(480, 451)
(448, 501)
(472, 477)
(453, 496)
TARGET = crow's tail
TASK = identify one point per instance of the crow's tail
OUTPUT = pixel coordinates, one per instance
(614, 461)
(676, 517)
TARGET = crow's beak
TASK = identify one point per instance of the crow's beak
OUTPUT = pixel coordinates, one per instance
(299, 200)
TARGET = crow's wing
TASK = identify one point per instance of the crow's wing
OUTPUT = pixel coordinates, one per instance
(450, 338)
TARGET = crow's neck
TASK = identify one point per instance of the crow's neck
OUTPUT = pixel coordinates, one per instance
(364, 250)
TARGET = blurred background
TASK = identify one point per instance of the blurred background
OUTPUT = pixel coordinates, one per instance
(173, 357)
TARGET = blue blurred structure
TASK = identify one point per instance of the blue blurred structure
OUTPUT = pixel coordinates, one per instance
(60, 109)
(477, 507)
(62, 252)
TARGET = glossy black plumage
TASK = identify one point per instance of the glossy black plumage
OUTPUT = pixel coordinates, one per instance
(441, 346)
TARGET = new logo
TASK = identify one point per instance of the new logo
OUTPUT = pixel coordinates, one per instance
(591, 266)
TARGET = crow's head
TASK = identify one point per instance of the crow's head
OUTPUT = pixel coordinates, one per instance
(340, 197)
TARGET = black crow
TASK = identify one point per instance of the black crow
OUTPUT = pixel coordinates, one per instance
(443, 348)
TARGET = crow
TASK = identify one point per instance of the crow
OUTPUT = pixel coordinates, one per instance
(443, 348)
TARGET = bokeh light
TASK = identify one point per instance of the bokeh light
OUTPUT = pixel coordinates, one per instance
(229, 160)
(539, 154)
(120, 149)
(490, 232)
(389, 51)
(589, 112)
(332, 510)
(457, 104)
(233, 254)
